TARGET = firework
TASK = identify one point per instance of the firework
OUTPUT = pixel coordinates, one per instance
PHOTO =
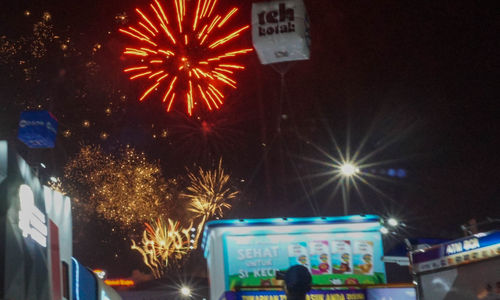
(161, 241)
(184, 52)
(56, 185)
(208, 195)
(126, 189)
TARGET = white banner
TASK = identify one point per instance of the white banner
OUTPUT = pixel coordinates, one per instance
(280, 31)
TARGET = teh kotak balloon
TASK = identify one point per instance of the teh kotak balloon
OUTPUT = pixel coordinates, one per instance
(280, 31)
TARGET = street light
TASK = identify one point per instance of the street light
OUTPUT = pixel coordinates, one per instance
(393, 222)
(384, 230)
(185, 291)
(347, 170)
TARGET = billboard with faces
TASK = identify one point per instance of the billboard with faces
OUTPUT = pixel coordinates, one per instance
(343, 250)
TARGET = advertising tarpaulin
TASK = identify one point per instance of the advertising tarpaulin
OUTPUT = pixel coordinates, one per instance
(280, 295)
(332, 258)
(280, 31)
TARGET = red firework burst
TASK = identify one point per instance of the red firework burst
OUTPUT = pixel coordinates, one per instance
(184, 56)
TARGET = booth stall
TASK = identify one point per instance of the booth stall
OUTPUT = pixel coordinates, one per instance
(338, 251)
(467, 268)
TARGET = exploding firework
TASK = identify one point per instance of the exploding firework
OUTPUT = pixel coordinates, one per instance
(125, 189)
(161, 241)
(184, 52)
(208, 195)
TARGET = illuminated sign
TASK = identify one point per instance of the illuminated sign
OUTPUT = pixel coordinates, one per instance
(100, 273)
(461, 246)
(471, 249)
(119, 282)
(31, 220)
(37, 129)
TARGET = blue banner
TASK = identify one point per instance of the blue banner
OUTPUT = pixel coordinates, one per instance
(462, 251)
(280, 295)
(37, 129)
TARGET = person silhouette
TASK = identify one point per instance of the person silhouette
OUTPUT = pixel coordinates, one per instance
(298, 282)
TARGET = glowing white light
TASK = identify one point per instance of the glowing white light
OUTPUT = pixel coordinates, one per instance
(104, 296)
(77, 279)
(31, 219)
(53, 179)
(348, 169)
(185, 291)
(100, 273)
(43, 165)
(384, 230)
(393, 222)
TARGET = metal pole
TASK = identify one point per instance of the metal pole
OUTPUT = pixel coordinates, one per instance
(345, 199)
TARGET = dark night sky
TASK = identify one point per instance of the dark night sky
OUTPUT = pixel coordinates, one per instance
(421, 75)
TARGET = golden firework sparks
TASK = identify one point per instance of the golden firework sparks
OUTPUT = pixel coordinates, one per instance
(208, 195)
(163, 240)
(56, 185)
(126, 189)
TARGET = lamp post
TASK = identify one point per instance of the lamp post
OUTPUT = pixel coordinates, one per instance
(347, 171)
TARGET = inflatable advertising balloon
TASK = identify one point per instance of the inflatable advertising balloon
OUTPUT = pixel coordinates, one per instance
(280, 31)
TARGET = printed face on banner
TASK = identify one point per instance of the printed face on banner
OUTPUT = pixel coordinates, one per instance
(332, 258)
(280, 31)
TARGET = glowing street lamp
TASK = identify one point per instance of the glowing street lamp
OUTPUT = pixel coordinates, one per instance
(384, 230)
(185, 291)
(348, 169)
(393, 222)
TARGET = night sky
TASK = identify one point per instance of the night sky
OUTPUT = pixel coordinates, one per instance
(416, 81)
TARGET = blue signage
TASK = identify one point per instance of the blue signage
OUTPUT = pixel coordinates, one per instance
(37, 129)
(280, 295)
(84, 282)
(465, 250)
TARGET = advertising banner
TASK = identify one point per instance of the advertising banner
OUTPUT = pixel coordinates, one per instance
(280, 295)
(332, 258)
(280, 31)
